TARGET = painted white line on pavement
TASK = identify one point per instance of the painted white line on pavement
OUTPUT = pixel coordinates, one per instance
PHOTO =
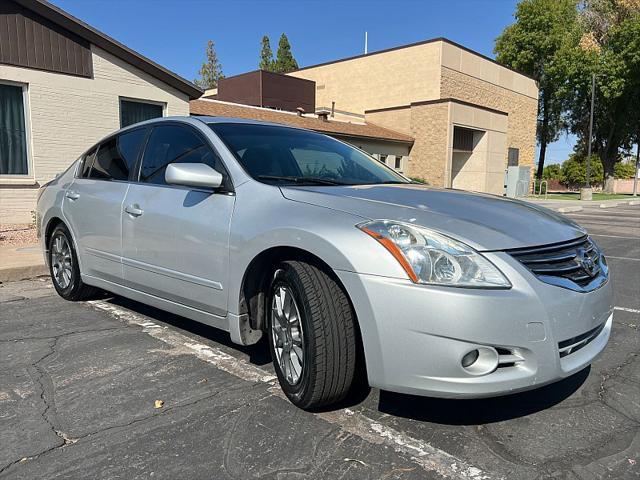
(422, 453)
(625, 309)
(622, 258)
(613, 236)
(184, 345)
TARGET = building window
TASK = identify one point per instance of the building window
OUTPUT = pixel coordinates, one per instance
(132, 111)
(462, 139)
(398, 163)
(513, 158)
(383, 158)
(14, 157)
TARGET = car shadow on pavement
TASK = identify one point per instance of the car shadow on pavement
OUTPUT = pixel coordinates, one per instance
(480, 411)
(258, 354)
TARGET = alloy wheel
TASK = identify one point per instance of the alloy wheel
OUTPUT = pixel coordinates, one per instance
(61, 261)
(287, 334)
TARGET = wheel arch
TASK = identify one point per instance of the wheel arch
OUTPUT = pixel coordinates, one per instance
(257, 275)
(52, 223)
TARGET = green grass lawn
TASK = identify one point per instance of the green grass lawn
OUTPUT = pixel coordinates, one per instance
(596, 196)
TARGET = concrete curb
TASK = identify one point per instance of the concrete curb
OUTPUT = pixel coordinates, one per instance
(22, 273)
(569, 209)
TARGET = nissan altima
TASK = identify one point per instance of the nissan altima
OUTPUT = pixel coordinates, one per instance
(352, 272)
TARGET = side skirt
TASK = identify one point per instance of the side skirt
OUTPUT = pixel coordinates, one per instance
(167, 305)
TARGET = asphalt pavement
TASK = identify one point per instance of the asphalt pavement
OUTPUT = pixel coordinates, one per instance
(115, 389)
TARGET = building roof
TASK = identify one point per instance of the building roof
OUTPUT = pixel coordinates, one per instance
(217, 108)
(90, 34)
(409, 45)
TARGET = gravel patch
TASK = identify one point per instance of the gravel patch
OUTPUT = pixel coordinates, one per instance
(17, 235)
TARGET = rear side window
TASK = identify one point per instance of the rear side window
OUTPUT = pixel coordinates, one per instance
(87, 163)
(174, 144)
(117, 156)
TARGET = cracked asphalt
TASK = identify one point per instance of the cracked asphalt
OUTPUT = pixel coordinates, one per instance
(78, 384)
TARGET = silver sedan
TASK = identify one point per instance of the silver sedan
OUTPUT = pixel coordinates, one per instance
(353, 273)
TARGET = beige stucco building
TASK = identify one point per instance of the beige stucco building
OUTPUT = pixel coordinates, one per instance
(468, 115)
(66, 86)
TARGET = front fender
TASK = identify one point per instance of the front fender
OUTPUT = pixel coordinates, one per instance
(264, 219)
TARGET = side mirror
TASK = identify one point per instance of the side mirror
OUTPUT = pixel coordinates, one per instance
(192, 175)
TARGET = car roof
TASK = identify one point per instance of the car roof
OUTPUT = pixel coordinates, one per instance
(207, 119)
(211, 119)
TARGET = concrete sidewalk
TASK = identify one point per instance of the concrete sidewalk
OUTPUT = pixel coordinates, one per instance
(565, 206)
(21, 262)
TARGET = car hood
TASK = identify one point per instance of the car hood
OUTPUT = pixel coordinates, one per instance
(485, 222)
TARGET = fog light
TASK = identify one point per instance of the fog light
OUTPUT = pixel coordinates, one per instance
(481, 361)
(470, 358)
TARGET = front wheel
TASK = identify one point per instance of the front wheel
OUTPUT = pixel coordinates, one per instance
(312, 335)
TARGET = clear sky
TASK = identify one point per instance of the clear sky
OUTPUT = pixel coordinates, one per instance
(175, 33)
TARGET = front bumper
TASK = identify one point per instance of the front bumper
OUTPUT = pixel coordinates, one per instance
(415, 336)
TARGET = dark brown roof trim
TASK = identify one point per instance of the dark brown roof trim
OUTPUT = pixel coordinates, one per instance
(433, 102)
(461, 102)
(362, 137)
(83, 30)
(423, 42)
(387, 109)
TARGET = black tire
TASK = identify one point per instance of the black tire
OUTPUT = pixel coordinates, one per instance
(330, 338)
(76, 289)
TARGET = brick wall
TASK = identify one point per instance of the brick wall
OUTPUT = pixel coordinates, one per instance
(378, 80)
(430, 129)
(521, 109)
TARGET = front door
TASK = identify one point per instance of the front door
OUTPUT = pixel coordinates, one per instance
(93, 204)
(176, 239)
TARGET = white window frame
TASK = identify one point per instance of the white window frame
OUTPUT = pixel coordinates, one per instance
(29, 178)
(140, 100)
(401, 167)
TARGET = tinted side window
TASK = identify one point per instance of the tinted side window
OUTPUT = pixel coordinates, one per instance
(174, 144)
(87, 163)
(117, 156)
(130, 144)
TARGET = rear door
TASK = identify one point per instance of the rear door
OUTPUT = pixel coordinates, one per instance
(176, 239)
(93, 203)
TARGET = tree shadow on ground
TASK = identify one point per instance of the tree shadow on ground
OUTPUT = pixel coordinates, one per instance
(480, 411)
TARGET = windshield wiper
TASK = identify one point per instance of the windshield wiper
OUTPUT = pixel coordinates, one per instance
(300, 180)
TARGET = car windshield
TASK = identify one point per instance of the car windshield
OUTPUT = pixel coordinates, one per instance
(289, 156)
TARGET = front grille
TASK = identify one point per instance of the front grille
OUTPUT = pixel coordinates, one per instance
(574, 344)
(577, 264)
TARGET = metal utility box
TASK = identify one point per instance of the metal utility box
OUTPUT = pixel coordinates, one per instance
(516, 181)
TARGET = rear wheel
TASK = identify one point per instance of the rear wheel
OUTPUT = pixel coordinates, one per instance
(64, 268)
(312, 335)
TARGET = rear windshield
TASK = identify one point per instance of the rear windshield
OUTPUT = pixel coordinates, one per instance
(283, 155)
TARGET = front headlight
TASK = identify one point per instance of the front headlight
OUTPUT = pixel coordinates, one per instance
(432, 258)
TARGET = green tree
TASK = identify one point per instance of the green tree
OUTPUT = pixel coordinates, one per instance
(285, 62)
(552, 172)
(574, 171)
(625, 170)
(266, 56)
(211, 70)
(531, 45)
(608, 46)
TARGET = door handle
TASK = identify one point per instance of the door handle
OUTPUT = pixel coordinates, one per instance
(133, 210)
(72, 195)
